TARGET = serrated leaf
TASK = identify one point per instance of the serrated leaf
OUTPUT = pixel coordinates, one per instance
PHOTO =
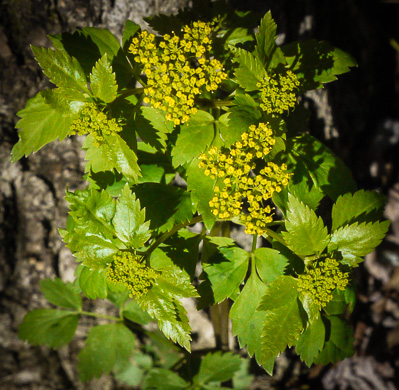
(217, 367)
(62, 69)
(201, 188)
(362, 206)
(250, 70)
(93, 283)
(157, 120)
(270, 264)
(162, 379)
(266, 38)
(175, 282)
(104, 345)
(60, 294)
(224, 272)
(355, 241)
(113, 153)
(306, 234)
(102, 80)
(315, 160)
(248, 322)
(311, 342)
(227, 133)
(169, 313)
(46, 117)
(133, 312)
(283, 322)
(312, 310)
(194, 137)
(165, 205)
(53, 328)
(316, 63)
(339, 344)
(129, 220)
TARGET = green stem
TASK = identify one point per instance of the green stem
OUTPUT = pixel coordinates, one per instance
(166, 235)
(209, 103)
(130, 92)
(275, 236)
(254, 242)
(87, 313)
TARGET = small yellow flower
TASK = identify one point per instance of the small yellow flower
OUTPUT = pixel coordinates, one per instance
(131, 271)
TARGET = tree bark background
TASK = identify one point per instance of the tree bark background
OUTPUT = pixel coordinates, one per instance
(357, 116)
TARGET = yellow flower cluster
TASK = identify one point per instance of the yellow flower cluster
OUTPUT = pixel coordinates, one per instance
(131, 270)
(177, 68)
(322, 279)
(278, 92)
(94, 122)
(234, 168)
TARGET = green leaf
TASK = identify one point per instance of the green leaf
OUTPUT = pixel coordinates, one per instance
(339, 344)
(316, 63)
(362, 206)
(129, 220)
(46, 117)
(306, 234)
(250, 70)
(53, 328)
(128, 33)
(242, 378)
(312, 310)
(224, 272)
(315, 160)
(165, 205)
(61, 294)
(311, 342)
(93, 283)
(62, 69)
(102, 80)
(113, 153)
(105, 345)
(355, 241)
(162, 379)
(270, 264)
(266, 38)
(283, 322)
(245, 113)
(194, 137)
(248, 322)
(337, 305)
(217, 367)
(133, 312)
(201, 188)
(169, 313)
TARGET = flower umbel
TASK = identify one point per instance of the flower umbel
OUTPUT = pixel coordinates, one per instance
(278, 92)
(177, 69)
(132, 271)
(233, 167)
(322, 280)
(94, 122)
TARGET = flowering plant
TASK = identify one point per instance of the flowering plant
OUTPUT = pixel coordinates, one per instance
(201, 124)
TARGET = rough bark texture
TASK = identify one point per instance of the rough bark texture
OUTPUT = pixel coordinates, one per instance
(356, 116)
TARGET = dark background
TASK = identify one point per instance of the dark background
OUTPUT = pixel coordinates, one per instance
(357, 116)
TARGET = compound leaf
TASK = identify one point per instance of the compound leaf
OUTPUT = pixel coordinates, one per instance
(362, 206)
(53, 328)
(102, 80)
(105, 345)
(266, 38)
(61, 294)
(306, 234)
